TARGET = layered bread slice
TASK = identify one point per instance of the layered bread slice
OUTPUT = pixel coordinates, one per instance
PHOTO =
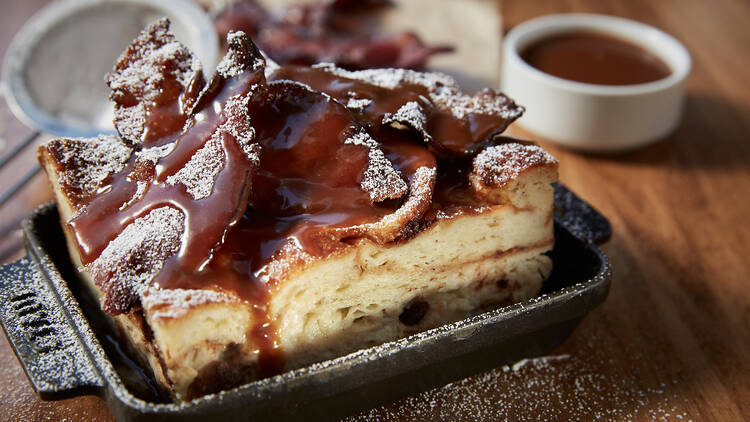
(277, 216)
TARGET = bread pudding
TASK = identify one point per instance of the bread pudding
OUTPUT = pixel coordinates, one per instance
(272, 216)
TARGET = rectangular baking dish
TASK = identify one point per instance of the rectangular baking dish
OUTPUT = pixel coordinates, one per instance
(64, 353)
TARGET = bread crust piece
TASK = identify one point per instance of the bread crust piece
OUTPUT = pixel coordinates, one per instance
(197, 342)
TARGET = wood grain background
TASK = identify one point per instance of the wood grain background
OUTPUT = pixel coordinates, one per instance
(672, 341)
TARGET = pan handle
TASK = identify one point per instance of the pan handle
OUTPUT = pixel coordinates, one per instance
(580, 218)
(42, 334)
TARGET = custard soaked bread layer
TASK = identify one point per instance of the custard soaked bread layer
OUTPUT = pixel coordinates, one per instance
(276, 216)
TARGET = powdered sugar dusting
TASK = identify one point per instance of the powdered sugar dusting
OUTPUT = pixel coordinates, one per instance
(174, 303)
(153, 154)
(391, 78)
(200, 172)
(358, 104)
(130, 121)
(238, 126)
(410, 115)
(538, 363)
(144, 72)
(551, 388)
(486, 102)
(292, 254)
(420, 196)
(146, 156)
(135, 256)
(85, 164)
(150, 52)
(236, 60)
(252, 152)
(271, 66)
(420, 192)
(140, 190)
(496, 166)
(381, 181)
(443, 90)
(42, 318)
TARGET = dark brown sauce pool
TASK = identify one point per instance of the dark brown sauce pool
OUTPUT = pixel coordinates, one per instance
(595, 58)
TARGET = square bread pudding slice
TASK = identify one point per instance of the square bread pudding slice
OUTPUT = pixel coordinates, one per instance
(276, 216)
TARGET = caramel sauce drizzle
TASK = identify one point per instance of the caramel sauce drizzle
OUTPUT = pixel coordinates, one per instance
(276, 206)
(447, 133)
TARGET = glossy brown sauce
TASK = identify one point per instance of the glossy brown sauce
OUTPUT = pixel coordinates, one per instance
(596, 59)
(452, 135)
(307, 181)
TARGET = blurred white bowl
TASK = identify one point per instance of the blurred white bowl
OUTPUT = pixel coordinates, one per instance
(589, 117)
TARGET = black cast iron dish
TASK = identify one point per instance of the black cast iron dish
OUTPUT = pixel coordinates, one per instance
(64, 353)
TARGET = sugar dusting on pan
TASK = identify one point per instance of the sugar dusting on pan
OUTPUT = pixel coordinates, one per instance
(560, 387)
(48, 345)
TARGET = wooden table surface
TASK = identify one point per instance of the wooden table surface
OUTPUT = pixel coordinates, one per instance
(672, 341)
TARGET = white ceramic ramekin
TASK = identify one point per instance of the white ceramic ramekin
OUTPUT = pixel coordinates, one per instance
(589, 117)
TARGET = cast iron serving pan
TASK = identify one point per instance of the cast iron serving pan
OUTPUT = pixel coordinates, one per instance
(65, 351)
